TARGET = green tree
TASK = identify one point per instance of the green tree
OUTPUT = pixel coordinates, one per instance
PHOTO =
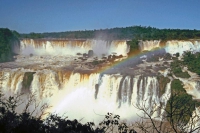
(7, 40)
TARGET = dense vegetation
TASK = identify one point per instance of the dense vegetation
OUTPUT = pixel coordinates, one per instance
(180, 106)
(189, 60)
(192, 61)
(176, 69)
(133, 32)
(7, 40)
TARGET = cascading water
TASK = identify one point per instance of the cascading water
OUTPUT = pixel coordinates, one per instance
(82, 95)
(65, 47)
(72, 47)
(180, 47)
(171, 47)
(149, 45)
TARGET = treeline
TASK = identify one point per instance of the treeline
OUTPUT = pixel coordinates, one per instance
(8, 42)
(129, 33)
(133, 34)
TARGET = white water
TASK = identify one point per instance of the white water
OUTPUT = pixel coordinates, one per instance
(74, 93)
(100, 47)
(149, 45)
(72, 47)
(172, 47)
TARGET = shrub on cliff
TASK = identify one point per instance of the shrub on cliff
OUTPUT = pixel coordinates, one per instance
(134, 46)
(176, 68)
(192, 61)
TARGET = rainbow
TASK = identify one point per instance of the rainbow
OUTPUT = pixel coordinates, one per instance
(132, 56)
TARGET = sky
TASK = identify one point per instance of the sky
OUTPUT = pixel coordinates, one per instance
(40, 16)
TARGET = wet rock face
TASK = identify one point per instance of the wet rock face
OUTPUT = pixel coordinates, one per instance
(26, 83)
(78, 54)
(85, 55)
(112, 58)
(96, 90)
(90, 53)
(162, 81)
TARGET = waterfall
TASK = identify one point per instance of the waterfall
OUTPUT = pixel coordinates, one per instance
(72, 47)
(119, 47)
(149, 45)
(172, 46)
(88, 94)
(180, 47)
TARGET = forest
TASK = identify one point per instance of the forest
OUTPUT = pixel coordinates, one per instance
(8, 38)
(127, 33)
